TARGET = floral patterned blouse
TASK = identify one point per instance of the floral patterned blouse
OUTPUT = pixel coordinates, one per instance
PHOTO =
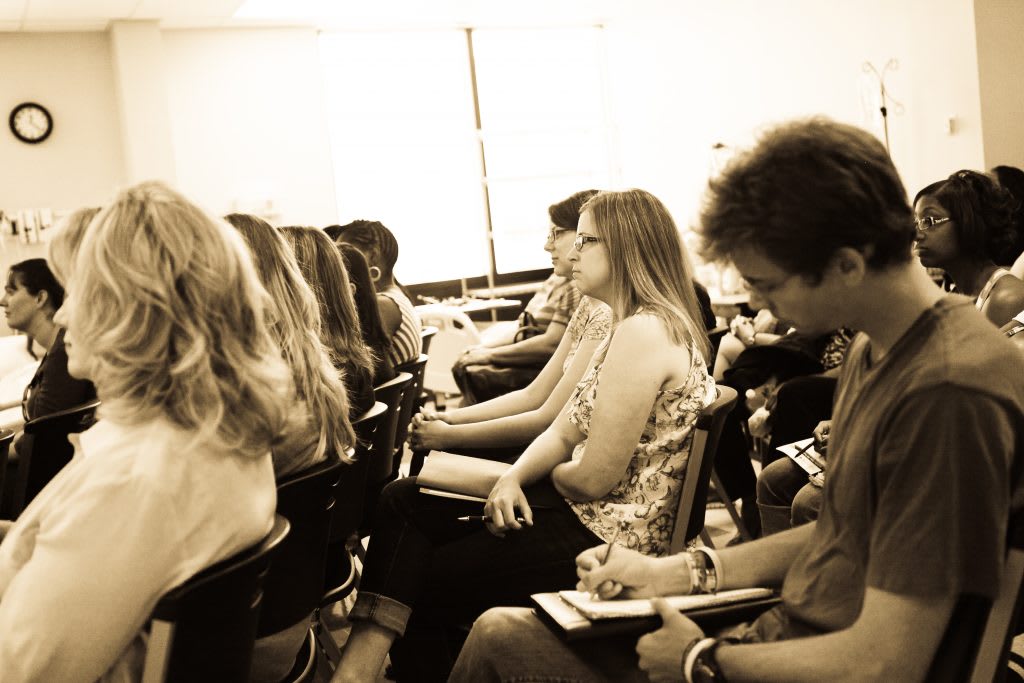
(644, 502)
(592, 320)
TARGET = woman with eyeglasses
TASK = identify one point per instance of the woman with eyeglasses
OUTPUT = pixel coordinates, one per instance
(609, 468)
(965, 226)
(512, 356)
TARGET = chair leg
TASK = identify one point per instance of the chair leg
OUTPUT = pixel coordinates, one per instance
(706, 538)
(325, 641)
(731, 507)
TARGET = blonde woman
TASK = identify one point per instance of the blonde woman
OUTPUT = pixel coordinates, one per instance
(165, 314)
(611, 463)
(324, 270)
(318, 421)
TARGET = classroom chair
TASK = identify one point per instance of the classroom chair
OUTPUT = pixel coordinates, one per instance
(347, 515)
(44, 450)
(409, 405)
(427, 333)
(203, 631)
(455, 331)
(295, 582)
(699, 471)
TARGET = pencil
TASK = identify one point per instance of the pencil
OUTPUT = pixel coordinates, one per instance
(611, 544)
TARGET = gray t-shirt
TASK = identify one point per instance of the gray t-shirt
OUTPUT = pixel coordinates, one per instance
(922, 475)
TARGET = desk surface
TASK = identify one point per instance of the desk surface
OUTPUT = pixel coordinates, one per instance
(471, 305)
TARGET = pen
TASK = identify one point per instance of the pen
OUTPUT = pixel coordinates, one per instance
(805, 451)
(611, 543)
(483, 518)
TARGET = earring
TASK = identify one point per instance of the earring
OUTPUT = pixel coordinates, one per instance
(372, 276)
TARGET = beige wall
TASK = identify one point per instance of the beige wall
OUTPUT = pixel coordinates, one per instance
(1000, 29)
(686, 75)
(81, 163)
(249, 121)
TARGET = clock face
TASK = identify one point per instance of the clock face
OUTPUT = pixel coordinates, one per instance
(30, 122)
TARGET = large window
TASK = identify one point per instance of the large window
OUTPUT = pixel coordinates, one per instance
(458, 140)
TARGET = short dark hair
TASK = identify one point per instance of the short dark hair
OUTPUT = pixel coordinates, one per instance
(1012, 180)
(806, 190)
(372, 237)
(566, 213)
(982, 213)
(35, 276)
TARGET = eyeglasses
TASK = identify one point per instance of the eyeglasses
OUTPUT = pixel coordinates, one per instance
(926, 223)
(582, 240)
(555, 231)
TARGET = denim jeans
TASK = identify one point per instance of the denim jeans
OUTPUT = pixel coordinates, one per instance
(428, 576)
(785, 498)
(514, 646)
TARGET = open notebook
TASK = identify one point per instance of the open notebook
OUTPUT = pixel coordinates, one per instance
(574, 615)
(803, 454)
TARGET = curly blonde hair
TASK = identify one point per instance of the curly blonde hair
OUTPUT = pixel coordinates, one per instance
(295, 318)
(173, 316)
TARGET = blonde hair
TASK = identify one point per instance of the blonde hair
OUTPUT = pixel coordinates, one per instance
(324, 270)
(296, 323)
(70, 230)
(173, 312)
(650, 269)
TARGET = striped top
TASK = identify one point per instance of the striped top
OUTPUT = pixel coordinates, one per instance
(406, 344)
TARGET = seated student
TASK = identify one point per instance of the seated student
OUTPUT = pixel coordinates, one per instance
(506, 363)
(1011, 179)
(923, 466)
(370, 324)
(31, 297)
(324, 272)
(164, 313)
(744, 333)
(615, 458)
(965, 227)
(380, 248)
(318, 421)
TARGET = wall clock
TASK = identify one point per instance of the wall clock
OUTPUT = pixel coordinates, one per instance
(31, 122)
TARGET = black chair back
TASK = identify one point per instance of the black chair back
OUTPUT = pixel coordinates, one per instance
(204, 630)
(390, 394)
(693, 497)
(349, 499)
(410, 401)
(295, 583)
(715, 337)
(6, 437)
(45, 450)
(976, 644)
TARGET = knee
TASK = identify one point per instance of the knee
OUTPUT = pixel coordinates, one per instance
(806, 505)
(770, 482)
(490, 636)
(398, 497)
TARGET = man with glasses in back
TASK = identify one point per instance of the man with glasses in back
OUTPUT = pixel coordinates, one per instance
(923, 478)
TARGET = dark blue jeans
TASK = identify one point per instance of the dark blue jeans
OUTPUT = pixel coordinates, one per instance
(428, 576)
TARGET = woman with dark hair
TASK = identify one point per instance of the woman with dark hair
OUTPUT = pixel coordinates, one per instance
(31, 298)
(965, 226)
(324, 271)
(380, 248)
(374, 336)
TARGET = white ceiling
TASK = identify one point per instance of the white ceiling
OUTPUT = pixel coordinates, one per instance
(95, 15)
